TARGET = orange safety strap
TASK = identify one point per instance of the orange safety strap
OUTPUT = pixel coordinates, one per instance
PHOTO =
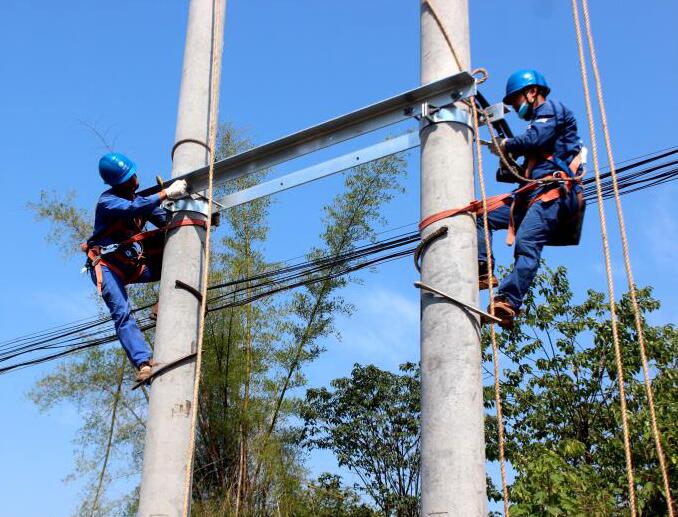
(574, 166)
(95, 257)
(184, 222)
(476, 206)
(494, 202)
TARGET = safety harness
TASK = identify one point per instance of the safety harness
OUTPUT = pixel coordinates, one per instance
(567, 181)
(96, 254)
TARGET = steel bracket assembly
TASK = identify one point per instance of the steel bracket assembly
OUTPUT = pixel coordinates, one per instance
(187, 204)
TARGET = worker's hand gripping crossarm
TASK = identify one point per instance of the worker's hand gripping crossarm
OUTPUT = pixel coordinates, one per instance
(177, 190)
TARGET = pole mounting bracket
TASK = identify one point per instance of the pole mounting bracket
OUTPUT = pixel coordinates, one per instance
(449, 113)
(187, 204)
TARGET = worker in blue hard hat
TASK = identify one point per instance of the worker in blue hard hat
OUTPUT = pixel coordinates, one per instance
(552, 212)
(116, 258)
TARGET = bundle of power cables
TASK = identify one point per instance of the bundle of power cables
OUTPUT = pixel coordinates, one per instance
(637, 174)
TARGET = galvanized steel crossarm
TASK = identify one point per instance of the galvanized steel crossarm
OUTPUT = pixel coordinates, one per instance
(365, 120)
(341, 163)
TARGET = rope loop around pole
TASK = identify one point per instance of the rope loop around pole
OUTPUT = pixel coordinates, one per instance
(425, 243)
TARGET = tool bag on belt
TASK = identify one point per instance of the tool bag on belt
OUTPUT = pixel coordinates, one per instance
(569, 188)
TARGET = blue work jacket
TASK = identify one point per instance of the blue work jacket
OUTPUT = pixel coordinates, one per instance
(552, 131)
(117, 219)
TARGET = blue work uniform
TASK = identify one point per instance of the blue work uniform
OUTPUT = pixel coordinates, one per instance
(116, 220)
(551, 142)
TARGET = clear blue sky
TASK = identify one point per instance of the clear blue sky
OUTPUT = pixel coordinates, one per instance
(287, 65)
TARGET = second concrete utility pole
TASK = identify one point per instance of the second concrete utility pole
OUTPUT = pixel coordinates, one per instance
(452, 437)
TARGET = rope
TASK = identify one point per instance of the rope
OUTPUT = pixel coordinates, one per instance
(627, 260)
(608, 267)
(439, 21)
(511, 167)
(502, 157)
(212, 136)
(493, 334)
(481, 180)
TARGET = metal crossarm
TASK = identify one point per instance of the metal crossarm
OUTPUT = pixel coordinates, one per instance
(365, 120)
(366, 155)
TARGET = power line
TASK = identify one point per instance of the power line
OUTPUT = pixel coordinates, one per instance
(70, 338)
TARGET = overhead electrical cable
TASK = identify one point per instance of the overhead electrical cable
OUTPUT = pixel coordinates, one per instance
(58, 341)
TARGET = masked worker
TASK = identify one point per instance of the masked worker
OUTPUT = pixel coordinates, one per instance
(551, 213)
(119, 254)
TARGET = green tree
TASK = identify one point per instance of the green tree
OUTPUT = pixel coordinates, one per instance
(370, 421)
(561, 409)
(248, 455)
(327, 497)
(561, 404)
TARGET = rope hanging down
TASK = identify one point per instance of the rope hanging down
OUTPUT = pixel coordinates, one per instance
(493, 333)
(656, 434)
(484, 207)
(217, 39)
(608, 267)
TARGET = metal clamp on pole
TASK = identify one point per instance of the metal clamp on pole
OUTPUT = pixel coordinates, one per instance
(170, 205)
(187, 204)
(450, 113)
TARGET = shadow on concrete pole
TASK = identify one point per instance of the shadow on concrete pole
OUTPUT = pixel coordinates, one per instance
(452, 443)
(168, 426)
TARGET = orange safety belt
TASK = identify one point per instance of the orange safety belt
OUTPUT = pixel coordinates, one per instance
(495, 202)
(95, 256)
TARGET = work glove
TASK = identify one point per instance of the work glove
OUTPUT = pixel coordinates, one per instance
(177, 190)
(500, 145)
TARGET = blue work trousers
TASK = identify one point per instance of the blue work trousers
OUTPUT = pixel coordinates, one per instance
(115, 296)
(536, 226)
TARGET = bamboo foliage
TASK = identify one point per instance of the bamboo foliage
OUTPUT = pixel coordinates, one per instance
(249, 458)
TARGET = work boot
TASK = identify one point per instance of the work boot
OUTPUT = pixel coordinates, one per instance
(145, 371)
(503, 310)
(484, 277)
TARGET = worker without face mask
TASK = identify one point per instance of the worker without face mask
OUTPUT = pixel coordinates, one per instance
(120, 214)
(550, 214)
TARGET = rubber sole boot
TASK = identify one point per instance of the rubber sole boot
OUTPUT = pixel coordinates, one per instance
(502, 310)
(145, 371)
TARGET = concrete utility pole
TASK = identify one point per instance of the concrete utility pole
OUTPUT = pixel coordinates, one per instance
(453, 442)
(168, 427)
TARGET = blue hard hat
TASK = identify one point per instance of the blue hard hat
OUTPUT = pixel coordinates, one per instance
(521, 79)
(116, 168)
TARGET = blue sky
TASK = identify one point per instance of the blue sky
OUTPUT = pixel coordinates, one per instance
(287, 65)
